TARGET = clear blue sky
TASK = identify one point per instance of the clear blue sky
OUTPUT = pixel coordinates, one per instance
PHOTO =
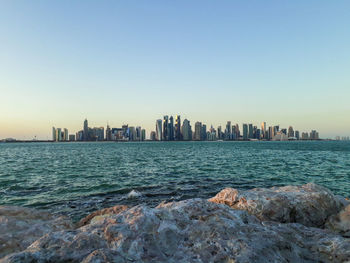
(283, 62)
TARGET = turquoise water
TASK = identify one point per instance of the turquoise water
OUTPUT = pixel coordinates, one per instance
(77, 178)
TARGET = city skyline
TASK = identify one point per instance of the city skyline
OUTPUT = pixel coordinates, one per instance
(281, 62)
(176, 132)
(168, 130)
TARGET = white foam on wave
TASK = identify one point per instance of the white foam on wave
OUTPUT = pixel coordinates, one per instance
(134, 194)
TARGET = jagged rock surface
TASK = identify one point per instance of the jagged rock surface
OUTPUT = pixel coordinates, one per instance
(194, 230)
(340, 222)
(20, 227)
(100, 214)
(309, 204)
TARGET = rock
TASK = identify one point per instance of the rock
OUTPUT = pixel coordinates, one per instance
(194, 230)
(309, 204)
(134, 194)
(20, 227)
(344, 201)
(98, 215)
(340, 222)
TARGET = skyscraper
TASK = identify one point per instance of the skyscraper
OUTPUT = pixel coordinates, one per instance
(153, 136)
(228, 131)
(314, 135)
(138, 134)
(245, 131)
(159, 132)
(143, 134)
(178, 128)
(108, 133)
(58, 135)
(219, 135)
(271, 133)
(53, 134)
(132, 133)
(304, 136)
(96, 134)
(86, 130)
(186, 130)
(171, 128)
(263, 130)
(250, 131)
(197, 131)
(290, 132)
(165, 128)
(204, 132)
(237, 131)
(65, 135)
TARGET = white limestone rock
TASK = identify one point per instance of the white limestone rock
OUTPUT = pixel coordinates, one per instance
(309, 204)
(20, 227)
(194, 230)
(340, 222)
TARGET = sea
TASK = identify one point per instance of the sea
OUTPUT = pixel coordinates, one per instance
(75, 178)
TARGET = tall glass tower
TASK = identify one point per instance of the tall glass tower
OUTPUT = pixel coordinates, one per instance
(165, 128)
(159, 132)
(86, 130)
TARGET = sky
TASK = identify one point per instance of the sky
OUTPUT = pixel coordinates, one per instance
(131, 62)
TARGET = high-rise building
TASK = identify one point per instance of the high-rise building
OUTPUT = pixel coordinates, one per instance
(290, 132)
(263, 130)
(65, 134)
(58, 135)
(250, 131)
(80, 135)
(54, 134)
(96, 134)
(108, 133)
(228, 132)
(71, 137)
(165, 128)
(197, 131)
(143, 134)
(258, 134)
(204, 132)
(153, 136)
(186, 130)
(178, 128)
(245, 131)
(237, 132)
(297, 135)
(171, 128)
(86, 130)
(132, 133)
(276, 129)
(304, 136)
(255, 128)
(220, 133)
(159, 132)
(271, 133)
(314, 135)
(211, 134)
(138, 134)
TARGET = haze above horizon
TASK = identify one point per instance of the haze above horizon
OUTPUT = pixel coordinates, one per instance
(283, 62)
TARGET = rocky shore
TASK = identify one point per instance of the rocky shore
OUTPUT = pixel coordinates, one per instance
(281, 224)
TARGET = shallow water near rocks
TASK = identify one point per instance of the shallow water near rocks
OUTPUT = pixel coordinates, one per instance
(78, 178)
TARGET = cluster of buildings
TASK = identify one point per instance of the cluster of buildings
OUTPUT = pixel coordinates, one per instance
(344, 138)
(172, 129)
(125, 133)
(59, 134)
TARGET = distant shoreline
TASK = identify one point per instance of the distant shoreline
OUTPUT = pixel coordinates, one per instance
(50, 141)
